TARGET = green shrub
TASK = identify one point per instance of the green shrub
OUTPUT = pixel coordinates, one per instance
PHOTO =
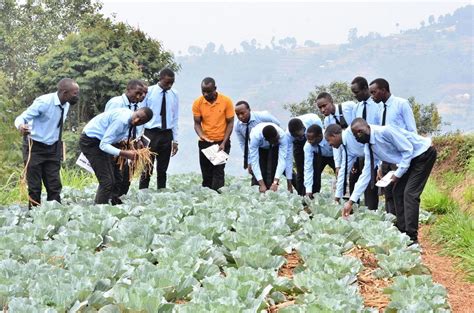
(434, 200)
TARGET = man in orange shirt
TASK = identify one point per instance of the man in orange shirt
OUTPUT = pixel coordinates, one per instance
(213, 122)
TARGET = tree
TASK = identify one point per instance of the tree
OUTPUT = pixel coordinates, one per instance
(310, 44)
(288, 42)
(210, 47)
(29, 28)
(102, 59)
(340, 92)
(431, 19)
(428, 120)
(194, 50)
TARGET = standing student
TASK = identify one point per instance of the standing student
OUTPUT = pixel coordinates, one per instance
(393, 111)
(297, 130)
(97, 141)
(162, 129)
(317, 154)
(42, 127)
(129, 100)
(213, 115)
(270, 156)
(351, 151)
(415, 158)
(247, 120)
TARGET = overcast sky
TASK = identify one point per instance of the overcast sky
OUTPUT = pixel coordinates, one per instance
(180, 24)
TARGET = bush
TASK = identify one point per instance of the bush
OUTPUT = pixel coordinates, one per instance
(435, 201)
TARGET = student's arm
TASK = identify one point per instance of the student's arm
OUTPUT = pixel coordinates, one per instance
(409, 117)
(175, 128)
(341, 177)
(35, 110)
(308, 169)
(403, 145)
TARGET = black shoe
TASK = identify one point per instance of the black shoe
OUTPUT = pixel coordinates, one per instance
(414, 242)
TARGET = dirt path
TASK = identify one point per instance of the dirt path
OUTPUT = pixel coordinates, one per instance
(460, 292)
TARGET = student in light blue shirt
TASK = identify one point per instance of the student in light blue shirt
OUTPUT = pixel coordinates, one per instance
(128, 100)
(317, 154)
(41, 126)
(297, 129)
(335, 114)
(269, 156)
(162, 129)
(97, 141)
(351, 151)
(414, 157)
(393, 111)
(247, 121)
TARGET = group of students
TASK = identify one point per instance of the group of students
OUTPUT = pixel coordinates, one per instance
(361, 141)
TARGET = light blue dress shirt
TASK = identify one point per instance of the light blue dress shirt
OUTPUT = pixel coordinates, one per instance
(153, 100)
(347, 112)
(372, 111)
(309, 151)
(308, 120)
(122, 102)
(256, 117)
(43, 117)
(258, 141)
(392, 145)
(399, 114)
(354, 150)
(110, 127)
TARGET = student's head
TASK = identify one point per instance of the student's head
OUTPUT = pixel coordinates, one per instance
(68, 91)
(271, 134)
(314, 135)
(242, 110)
(141, 116)
(135, 90)
(360, 88)
(166, 79)
(296, 128)
(361, 130)
(208, 89)
(333, 135)
(380, 90)
(325, 104)
(145, 91)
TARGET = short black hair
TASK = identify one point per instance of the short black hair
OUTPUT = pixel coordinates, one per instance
(269, 132)
(65, 83)
(208, 80)
(359, 120)
(294, 126)
(315, 129)
(324, 95)
(381, 83)
(333, 129)
(242, 102)
(134, 83)
(361, 82)
(148, 112)
(166, 72)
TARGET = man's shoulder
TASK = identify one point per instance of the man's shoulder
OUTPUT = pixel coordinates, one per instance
(47, 98)
(224, 98)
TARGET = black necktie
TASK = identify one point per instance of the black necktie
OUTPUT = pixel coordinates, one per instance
(345, 171)
(364, 112)
(384, 114)
(246, 147)
(270, 165)
(163, 111)
(337, 121)
(372, 167)
(60, 123)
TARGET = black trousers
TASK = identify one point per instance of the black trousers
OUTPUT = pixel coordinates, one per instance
(407, 191)
(319, 163)
(122, 178)
(213, 176)
(161, 143)
(104, 169)
(298, 155)
(43, 168)
(268, 160)
(388, 191)
(371, 195)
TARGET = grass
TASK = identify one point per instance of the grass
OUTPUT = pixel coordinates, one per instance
(455, 232)
(435, 200)
(75, 178)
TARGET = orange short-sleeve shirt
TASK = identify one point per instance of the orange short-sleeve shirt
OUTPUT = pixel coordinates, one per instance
(214, 115)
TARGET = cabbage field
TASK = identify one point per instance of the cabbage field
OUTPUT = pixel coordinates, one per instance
(189, 249)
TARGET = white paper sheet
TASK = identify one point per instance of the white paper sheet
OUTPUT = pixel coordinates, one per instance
(216, 157)
(83, 162)
(386, 180)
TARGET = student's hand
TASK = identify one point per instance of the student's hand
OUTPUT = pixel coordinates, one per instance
(347, 209)
(274, 187)
(395, 179)
(310, 195)
(129, 154)
(249, 169)
(174, 149)
(337, 200)
(289, 186)
(379, 174)
(24, 129)
(354, 170)
(337, 171)
(262, 188)
(139, 144)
